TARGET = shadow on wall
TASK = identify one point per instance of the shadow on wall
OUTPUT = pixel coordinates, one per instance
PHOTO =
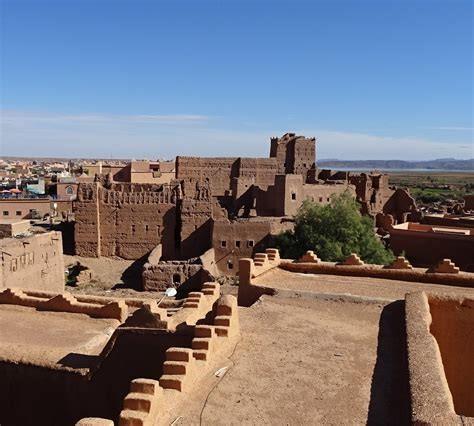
(390, 393)
(132, 276)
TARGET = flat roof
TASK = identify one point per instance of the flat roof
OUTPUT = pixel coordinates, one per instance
(57, 340)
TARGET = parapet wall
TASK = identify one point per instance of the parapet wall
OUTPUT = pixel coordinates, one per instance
(463, 279)
(151, 402)
(65, 303)
(34, 262)
(440, 359)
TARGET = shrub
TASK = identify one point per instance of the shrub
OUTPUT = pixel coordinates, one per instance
(333, 231)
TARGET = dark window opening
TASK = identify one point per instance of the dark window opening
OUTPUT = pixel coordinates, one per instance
(133, 229)
(18, 213)
(176, 279)
(293, 195)
(250, 243)
(237, 244)
(223, 243)
(5, 213)
(146, 228)
(230, 264)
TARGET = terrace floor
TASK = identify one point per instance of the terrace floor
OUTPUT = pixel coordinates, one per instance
(355, 286)
(50, 339)
(309, 361)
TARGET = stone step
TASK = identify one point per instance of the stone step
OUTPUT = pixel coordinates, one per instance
(148, 386)
(179, 354)
(222, 321)
(174, 368)
(138, 402)
(222, 331)
(204, 331)
(172, 382)
(201, 355)
(201, 343)
(132, 418)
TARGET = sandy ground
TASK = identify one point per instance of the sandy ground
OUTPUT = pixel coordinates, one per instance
(111, 277)
(357, 286)
(305, 362)
(50, 338)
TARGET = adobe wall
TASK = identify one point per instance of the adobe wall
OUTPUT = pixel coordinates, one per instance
(182, 275)
(21, 208)
(439, 358)
(462, 279)
(233, 240)
(217, 171)
(452, 325)
(294, 154)
(34, 262)
(289, 191)
(10, 228)
(448, 220)
(127, 220)
(399, 205)
(427, 248)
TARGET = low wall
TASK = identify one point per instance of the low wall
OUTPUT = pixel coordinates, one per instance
(158, 275)
(462, 279)
(252, 268)
(34, 262)
(65, 303)
(437, 372)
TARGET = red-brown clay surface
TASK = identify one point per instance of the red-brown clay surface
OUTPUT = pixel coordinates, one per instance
(300, 362)
(357, 286)
(44, 338)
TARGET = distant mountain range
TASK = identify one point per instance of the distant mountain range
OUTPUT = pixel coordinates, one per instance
(439, 164)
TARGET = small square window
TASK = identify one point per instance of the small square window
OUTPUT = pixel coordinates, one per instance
(293, 195)
(5, 213)
(230, 264)
(18, 212)
(223, 243)
(320, 199)
(237, 243)
(250, 243)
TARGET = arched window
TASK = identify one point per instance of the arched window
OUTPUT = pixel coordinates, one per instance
(69, 190)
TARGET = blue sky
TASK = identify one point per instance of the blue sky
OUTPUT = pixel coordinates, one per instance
(148, 78)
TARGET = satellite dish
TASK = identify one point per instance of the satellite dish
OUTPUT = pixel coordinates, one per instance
(170, 292)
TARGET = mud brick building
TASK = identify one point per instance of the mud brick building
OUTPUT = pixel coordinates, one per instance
(233, 205)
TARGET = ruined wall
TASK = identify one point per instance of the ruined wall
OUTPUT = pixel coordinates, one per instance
(294, 154)
(286, 196)
(34, 262)
(183, 275)
(399, 205)
(127, 220)
(217, 171)
(232, 240)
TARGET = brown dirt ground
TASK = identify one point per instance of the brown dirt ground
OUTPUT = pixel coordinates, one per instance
(356, 286)
(113, 277)
(304, 361)
(48, 338)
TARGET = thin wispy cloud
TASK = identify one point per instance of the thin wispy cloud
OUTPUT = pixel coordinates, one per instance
(19, 117)
(454, 128)
(165, 136)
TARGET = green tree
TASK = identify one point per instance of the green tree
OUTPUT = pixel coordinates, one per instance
(333, 232)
